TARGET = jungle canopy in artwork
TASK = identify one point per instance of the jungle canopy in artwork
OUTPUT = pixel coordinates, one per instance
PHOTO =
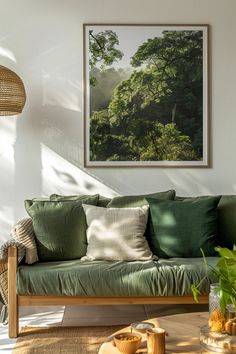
(148, 107)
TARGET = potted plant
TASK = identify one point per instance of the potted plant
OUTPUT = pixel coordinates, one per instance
(225, 272)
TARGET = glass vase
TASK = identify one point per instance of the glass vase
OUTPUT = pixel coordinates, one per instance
(214, 298)
(216, 320)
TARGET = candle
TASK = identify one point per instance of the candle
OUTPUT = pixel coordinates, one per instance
(156, 341)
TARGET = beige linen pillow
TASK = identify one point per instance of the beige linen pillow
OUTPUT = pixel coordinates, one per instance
(116, 234)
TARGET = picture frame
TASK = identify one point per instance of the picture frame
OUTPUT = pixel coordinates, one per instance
(146, 95)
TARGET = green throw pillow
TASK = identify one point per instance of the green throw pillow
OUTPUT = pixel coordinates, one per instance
(226, 210)
(60, 228)
(130, 201)
(102, 201)
(182, 228)
(77, 198)
(227, 221)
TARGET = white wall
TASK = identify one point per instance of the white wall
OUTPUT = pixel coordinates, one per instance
(41, 151)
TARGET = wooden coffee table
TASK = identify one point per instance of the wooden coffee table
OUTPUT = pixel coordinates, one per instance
(183, 334)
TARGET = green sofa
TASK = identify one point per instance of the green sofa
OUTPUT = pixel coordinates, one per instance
(166, 281)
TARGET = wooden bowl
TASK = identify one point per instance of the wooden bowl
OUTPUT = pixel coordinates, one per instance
(127, 342)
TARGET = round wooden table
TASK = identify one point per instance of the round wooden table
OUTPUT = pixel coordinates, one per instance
(183, 334)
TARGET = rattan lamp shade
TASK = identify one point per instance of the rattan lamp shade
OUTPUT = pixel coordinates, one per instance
(12, 92)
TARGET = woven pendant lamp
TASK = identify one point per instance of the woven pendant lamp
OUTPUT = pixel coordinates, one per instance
(12, 92)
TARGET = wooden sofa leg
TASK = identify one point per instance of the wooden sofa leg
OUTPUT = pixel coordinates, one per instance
(12, 296)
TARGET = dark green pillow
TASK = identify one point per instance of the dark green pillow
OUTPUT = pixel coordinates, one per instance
(182, 228)
(131, 201)
(60, 228)
(227, 221)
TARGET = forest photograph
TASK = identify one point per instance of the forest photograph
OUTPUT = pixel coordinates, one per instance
(145, 95)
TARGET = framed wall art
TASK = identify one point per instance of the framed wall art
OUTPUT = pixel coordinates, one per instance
(146, 95)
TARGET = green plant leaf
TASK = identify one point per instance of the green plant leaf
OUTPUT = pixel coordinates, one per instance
(226, 253)
(225, 272)
(195, 292)
(225, 299)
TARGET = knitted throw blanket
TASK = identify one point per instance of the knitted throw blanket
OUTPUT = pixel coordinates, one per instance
(22, 236)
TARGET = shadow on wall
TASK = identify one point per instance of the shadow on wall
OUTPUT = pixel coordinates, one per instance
(63, 177)
(62, 128)
(27, 159)
(31, 169)
(45, 157)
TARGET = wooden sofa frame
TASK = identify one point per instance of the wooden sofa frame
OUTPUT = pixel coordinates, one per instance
(14, 300)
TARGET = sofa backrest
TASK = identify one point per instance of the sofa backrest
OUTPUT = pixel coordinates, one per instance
(227, 220)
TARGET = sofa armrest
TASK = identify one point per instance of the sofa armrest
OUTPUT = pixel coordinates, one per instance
(5, 251)
(12, 296)
(12, 259)
(11, 253)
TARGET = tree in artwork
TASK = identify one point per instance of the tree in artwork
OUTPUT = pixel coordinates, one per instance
(153, 111)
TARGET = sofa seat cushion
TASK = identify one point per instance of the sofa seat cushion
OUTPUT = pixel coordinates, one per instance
(165, 277)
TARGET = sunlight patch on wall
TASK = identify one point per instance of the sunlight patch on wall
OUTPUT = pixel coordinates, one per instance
(6, 53)
(62, 177)
(6, 222)
(61, 91)
(7, 132)
(7, 140)
(188, 181)
(7, 167)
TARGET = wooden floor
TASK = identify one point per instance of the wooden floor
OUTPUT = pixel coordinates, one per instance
(90, 316)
